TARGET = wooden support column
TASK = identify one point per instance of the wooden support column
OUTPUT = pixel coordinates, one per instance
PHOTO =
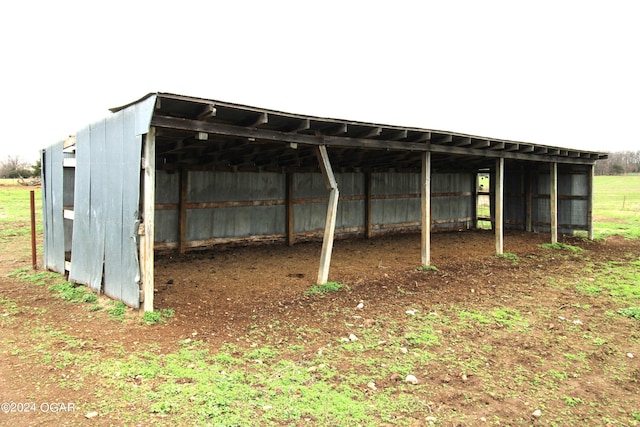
(290, 230)
(553, 202)
(425, 194)
(592, 172)
(368, 233)
(332, 208)
(182, 213)
(499, 201)
(148, 201)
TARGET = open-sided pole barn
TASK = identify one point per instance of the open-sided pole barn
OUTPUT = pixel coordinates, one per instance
(172, 172)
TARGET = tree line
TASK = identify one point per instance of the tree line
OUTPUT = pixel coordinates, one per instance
(618, 163)
(15, 167)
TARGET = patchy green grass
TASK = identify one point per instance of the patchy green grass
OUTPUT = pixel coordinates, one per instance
(158, 316)
(73, 292)
(324, 288)
(562, 247)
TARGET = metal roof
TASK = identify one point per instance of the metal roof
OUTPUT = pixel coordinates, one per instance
(209, 134)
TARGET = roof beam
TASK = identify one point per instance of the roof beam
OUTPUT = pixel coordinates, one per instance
(370, 133)
(207, 112)
(461, 142)
(347, 142)
(255, 121)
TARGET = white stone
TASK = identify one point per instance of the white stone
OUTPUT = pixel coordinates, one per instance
(537, 413)
(372, 385)
(353, 337)
(411, 379)
(630, 355)
(360, 306)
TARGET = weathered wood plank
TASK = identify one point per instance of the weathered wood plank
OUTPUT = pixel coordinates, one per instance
(425, 183)
(148, 201)
(499, 201)
(553, 202)
(332, 208)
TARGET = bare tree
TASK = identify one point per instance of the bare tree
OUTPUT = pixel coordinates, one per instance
(14, 167)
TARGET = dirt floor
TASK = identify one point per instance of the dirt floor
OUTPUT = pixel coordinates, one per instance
(219, 295)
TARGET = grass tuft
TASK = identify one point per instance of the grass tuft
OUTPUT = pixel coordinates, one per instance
(324, 288)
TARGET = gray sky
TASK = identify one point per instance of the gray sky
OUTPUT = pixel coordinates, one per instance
(562, 73)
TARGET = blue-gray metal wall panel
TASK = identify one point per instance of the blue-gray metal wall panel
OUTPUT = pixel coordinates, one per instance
(395, 210)
(97, 227)
(166, 226)
(238, 186)
(453, 200)
(132, 149)
(122, 271)
(514, 200)
(82, 245)
(204, 224)
(228, 222)
(167, 192)
(167, 187)
(53, 206)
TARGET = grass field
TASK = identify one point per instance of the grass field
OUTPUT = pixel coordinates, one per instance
(617, 206)
(255, 380)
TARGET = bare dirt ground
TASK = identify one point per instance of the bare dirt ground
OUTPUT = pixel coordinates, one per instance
(220, 295)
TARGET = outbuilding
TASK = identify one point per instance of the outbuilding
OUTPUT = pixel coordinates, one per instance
(177, 173)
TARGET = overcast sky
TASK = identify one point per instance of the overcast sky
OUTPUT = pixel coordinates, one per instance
(562, 73)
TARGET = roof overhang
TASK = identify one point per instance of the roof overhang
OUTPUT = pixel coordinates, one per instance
(203, 133)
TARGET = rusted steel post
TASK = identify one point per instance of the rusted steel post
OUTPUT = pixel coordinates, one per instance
(34, 259)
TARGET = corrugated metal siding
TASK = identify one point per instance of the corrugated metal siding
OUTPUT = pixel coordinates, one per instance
(236, 221)
(454, 209)
(167, 192)
(52, 204)
(514, 200)
(396, 202)
(105, 203)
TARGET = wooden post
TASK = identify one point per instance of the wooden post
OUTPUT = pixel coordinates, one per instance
(499, 220)
(332, 208)
(147, 239)
(182, 214)
(590, 203)
(34, 258)
(553, 202)
(290, 230)
(425, 194)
